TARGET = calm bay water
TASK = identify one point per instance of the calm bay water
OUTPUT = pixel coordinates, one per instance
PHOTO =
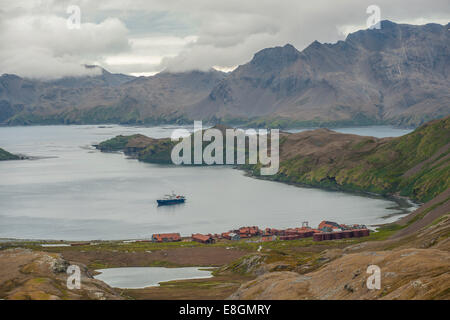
(74, 192)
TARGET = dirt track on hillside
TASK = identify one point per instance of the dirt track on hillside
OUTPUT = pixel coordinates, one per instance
(429, 217)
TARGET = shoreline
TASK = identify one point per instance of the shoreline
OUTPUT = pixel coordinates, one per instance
(403, 204)
(94, 242)
(234, 125)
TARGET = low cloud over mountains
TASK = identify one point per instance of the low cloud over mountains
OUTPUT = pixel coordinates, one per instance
(398, 74)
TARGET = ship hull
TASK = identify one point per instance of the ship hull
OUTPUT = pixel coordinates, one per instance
(169, 202)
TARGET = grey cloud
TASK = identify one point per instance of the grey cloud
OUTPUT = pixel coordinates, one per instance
(39, 43)
(227, 33)
(248, 26)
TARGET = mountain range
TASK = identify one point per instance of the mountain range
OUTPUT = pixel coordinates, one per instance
(398, 74)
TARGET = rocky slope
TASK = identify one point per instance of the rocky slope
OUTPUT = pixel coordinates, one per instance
(106, 98)
(34, 275)
(413, 264)
(398, 74)
(406, 274)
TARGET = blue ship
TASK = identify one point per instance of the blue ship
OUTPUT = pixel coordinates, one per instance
(170, 199)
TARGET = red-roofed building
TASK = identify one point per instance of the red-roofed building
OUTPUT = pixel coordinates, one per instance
(329, 226)
(266, 238)
(230, 236)
(202, 238)
(247, 232)
(166, 237)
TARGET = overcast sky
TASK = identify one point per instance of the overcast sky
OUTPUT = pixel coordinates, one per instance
(143, 37)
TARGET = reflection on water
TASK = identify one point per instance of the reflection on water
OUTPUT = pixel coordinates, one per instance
(373, 131)
(79, 193)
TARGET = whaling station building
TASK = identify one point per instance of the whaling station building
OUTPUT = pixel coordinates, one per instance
(202, 238)
(327, 230)
(166, 237)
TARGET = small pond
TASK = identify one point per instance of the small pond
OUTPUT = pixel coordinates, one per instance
(142, 277)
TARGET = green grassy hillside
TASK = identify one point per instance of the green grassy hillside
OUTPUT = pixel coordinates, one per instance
(5, 155)
(416, 165)
(117, 143)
